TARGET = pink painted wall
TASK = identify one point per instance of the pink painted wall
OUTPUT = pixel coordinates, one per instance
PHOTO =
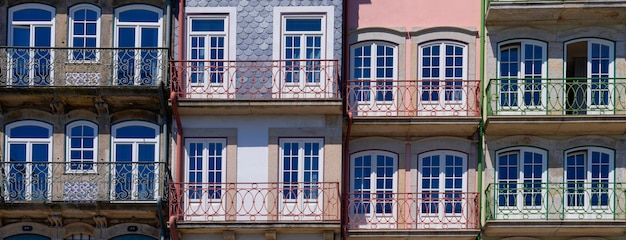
(413, 13)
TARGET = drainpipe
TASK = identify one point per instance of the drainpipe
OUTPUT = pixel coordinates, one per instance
(346, 145)
(179, 128)
(164, 112)
(483, 8)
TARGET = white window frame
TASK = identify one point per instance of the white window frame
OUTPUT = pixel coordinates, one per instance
(373, 106)
(69, 149)
(71, 21)
(8, 140)
(138, 26)
(135, 145)
(521, 107)
(205, 171)
(327, 17)
(518, 210)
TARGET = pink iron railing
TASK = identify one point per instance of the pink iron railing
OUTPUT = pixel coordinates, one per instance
(413, 211)
(255, 202)
(279, 79)
(411, 98)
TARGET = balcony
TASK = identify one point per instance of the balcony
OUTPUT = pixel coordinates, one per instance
(415, 106)
(525, 12)
(551, 209)
(254, 203)
(377, 213)
(82, 183)
(248, 87)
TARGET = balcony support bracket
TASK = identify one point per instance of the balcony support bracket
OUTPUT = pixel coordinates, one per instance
(57, 106)
(101, 106)
(101, 221)
(56, 221)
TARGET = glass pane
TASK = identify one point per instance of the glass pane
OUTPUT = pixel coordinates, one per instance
(32, 15)
(29, 132)
(135, 132)
(207, 25)
(138, 15)
(304, 25)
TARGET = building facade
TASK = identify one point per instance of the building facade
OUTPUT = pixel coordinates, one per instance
(554, 120)
(255, 97)
(81, 96)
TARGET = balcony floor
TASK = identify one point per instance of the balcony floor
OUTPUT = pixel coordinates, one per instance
(414, 234)
(415, 126)
(501, 228)
(507, 12)
(555, 125)
(251, 107)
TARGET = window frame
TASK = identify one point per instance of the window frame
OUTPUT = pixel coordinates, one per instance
(205, 171)
(31, 24)
(69, 149)
(135, 142)
(372, 94)
(586, 204)
(442, 191)
(301, 171)
(372, 208)
(441, 90)
(206, 36)
(71, 21)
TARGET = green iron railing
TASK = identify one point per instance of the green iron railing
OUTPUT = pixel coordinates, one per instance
(556, 97)
(568, 201)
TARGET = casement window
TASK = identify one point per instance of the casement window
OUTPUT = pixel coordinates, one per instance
(82, 146)
(442, 69)
(589, 181)
(373, 182)
(134, 157)
(301, 167)
(84, 32)
(442, 183)
(522, 73)
(27, 171)
(521, 182)
(208, 49)
(590, 87)
(374, 69)
(206, 168)
(31, 36)
(138, 34)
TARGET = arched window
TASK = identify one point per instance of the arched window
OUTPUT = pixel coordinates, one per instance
(442, 183)
(374, 73)
(373, 182)
(29, 152)
(84, 32)
(31, 34)
(138, 26)
(442, 69)
(82, 146)
(589, 186)
(135, 155)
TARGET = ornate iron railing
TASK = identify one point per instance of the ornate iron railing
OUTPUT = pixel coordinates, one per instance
(407, 98)
(82, 182)
(255, 202)
(24, 66)
(413, 211)
(282, 79)
(556, 97)
(573, 200)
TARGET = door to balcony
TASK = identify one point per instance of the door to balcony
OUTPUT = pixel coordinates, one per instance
(205, 196)
(589, 85)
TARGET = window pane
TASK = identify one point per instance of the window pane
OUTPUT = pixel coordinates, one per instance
(304, 25)
(207, 25)
(29, 132)
(138, 15)
(32, 15)
(135, 132)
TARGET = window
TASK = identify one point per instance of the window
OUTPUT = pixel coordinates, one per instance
(206, 168)
(589, 176)
(208, 45)
(305, 42)
(82, 146)
(441, 183)
(522, 70)
(301, 167)
(27, 170)
(31, 25)
(443, 67)
(84, 29)
(374, 69)
(521, 181)
(138, 29)
(135, 153)
(373, 183)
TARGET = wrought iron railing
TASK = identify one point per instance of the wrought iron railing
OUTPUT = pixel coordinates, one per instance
(403, 98)
(255, 202)
(82, 182)
(281, 79)
(413, 211)
(24, 66)
(556, 97)
(572, 200)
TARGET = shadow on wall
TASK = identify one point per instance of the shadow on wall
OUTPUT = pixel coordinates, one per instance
(353, 16)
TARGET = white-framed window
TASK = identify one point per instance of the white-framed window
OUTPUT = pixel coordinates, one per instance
(206, 167)
(442, 183)
(521, 182)
(82, 146)
(134, 161)
(208, 49)
(305, 39)
(31, 26)
(27, 171)
(590, 72)
(442, 69)
(589, 181)
(374, 68)
(84, 32)
(373, 182)
(522, 71)
(139, 34)
(301, 167)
